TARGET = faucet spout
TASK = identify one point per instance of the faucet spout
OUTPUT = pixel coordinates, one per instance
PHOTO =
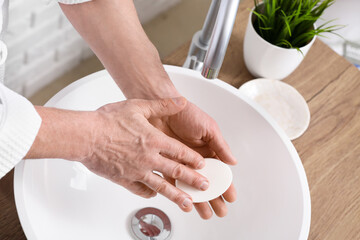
(208, 48)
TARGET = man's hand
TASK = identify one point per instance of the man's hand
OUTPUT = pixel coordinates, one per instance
(128, 149)
(199, 131)
(118, 142)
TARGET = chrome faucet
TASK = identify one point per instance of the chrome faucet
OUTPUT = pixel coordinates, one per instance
(208, 47)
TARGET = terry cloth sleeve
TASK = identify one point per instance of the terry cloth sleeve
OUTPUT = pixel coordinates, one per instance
(19, 125)
(72, 1)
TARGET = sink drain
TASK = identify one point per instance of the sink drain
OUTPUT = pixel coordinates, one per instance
(151, 224)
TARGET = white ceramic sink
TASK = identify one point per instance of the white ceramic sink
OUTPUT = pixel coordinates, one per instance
(58, 199)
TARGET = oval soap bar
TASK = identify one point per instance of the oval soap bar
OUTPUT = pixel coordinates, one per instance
(220, 177)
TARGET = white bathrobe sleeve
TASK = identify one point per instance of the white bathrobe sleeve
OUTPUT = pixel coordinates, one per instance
(19, 125)
(72, 1)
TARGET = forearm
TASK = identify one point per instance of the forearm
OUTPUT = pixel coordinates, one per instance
(113, 31)
(63, 134)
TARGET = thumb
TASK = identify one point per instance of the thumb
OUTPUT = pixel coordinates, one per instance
(164, 107)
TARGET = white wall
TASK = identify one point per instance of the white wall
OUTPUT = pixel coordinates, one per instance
(43, 45)
(347, 13)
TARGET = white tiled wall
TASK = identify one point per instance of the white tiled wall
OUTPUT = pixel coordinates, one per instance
(346, 13)
(43, 45)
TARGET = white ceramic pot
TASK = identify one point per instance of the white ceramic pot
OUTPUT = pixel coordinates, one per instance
(266, 60)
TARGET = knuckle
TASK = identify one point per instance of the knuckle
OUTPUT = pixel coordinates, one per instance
(181, 153)
(196, 160)
(145, 142)
(214, 128)
(177, 172)
(196, 180)
(163, 103)
(178, 198)
(142, 177)
(161, 187)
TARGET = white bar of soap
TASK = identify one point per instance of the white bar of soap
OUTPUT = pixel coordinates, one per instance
(220, 177)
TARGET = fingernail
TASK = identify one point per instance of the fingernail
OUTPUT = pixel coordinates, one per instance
(187, 203)
(201, 164)
(204, 185)
(178, 101)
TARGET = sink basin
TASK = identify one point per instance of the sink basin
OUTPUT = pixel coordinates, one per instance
(59, 199)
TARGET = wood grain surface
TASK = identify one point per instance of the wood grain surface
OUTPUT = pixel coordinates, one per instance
(10, 227)
(329, 149)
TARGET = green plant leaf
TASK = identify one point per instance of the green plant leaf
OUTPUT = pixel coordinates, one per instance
(290, 23)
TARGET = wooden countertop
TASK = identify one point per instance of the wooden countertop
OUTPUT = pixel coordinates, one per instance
(329, 149)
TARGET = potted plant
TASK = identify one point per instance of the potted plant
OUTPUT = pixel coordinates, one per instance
(280, 33)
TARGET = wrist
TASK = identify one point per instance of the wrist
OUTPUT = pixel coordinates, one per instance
(63, 134)
(145, 80)
(157, 88)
